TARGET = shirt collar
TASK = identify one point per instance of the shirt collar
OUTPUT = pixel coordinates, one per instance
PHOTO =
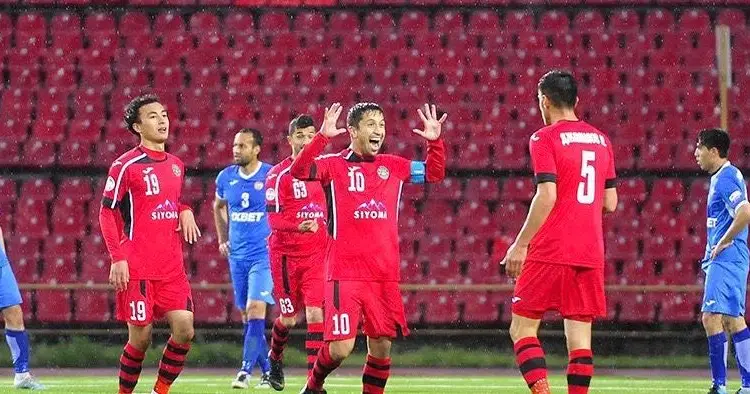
(725, 165)
(252, 174)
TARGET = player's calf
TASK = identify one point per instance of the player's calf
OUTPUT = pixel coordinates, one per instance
(329, 358)
(279, 339)
(377, 367)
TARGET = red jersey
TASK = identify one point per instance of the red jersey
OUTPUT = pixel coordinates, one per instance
(142, 192)
(363, 196)
(578, 158)
(291, 201)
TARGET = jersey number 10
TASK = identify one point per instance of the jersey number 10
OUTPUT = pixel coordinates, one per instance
(587, 187)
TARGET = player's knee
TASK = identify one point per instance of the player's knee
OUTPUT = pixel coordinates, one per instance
(140, 337)
(733, 324)
(183, 334)
(519, 329)
(712, 323)
(379, 347)
(289, 322)
(13, 316)
(256, 310)
(341, 349)
(314, 315)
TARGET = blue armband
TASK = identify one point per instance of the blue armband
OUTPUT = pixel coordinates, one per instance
(417, 172)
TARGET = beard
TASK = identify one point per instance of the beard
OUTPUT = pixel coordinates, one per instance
(241, 161)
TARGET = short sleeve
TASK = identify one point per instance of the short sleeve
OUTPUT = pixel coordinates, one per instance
(611, 179)
(542, 158)
(732, 192)
(116, 185)
(221, 185)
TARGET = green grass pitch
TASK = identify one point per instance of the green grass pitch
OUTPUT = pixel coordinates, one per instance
(210, 384)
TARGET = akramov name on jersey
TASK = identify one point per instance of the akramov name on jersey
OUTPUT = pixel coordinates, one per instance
(310, 215)
(246, 216)
(370, 215)
(575, 137)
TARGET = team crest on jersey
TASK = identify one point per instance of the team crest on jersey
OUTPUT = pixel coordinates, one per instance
(110, 185)
(258, 185)
(271, 194)
(383, 172)
(176, 170)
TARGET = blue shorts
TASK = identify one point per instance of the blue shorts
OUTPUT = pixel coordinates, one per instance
(9, 293)
(725, 288)
(251, 281)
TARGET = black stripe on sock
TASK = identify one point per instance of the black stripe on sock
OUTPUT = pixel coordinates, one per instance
(131, 358)
(314, 336)
(524, 347)
(130, 370)
(312, 352)
(167, 375)
(174, 363)
(375, 381)
(128, 384)
(378, 367)
(176, 350)
(579, 380)
(532, 364)
(583, 360)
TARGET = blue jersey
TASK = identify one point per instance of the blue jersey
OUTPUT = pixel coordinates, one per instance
(246, 201)
(3, 258)
(726, 194)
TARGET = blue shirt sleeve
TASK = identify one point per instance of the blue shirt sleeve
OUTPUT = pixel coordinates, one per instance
(221, 184)
(732, 190)
(417, 172)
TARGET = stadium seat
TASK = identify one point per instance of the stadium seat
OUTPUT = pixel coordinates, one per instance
(517, 189)
(589, 21)
(667, 190)
(678, 273)
(658, 20)
(53, 306)
(24, 253)
(95, 260)
(485, 189)
(9, 153)
(38, 189)
(27, 304)
(621, 247)
(210, 306)
(59, 260)
(679, 308)
(440, 307)
(478, 308)
(7, 213)
(448, 189)
(8, 190)
(635, 307)
(212, 269)
(91, 306)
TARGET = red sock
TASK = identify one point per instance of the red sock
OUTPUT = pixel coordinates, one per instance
(279, 338)
(131, 362)
(530, 359)
(313, 343)
(375, 375)
(171, 364)
(324, 365)
(580, 371)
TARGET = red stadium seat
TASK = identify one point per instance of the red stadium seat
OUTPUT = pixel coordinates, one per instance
(622, 247)
(91, 306)
(310, 22)
(8, 190)
(169, 24)
(210, 306)
(659, 20)
(95, 261)
(38, 189)
(204, 23)
(668, 190)
(659, 247)
(478, 308)
(639, 272)
(733, 18)
(27, 302)
(636, 307)
(692, 247)
(134, 23)
(589, 21)
(10, 153)
(442, 269)
(448, 189)
(412, 307)
(344, 23)
(379, 22)
(31, 22)
(273, 22)
(518, 189)
(239, 24)
(75, 154)
(554, 22)
(440, 307)
(679, 308)
(53, 306)
(212, 270)
(624, 20)
(519, 22)
(68, 218)
(24, 253)
(678, 273)
(485, 189)
(59, 260)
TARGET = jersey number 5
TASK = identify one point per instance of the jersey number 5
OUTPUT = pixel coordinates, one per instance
(587, 186)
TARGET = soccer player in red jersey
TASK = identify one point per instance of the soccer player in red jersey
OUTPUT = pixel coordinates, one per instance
(363, 191)
(296, 210)
(558, 256)
(141, 219)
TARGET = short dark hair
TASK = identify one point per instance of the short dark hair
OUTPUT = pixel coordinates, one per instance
(302, 121)
(560, 87)
(715, 138)
(358, 111)
(257, 136)
(133, 108)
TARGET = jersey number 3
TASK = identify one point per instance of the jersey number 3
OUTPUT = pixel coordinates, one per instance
(587, 186)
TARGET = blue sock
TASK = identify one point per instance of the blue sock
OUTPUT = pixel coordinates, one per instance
(249, 350)
(742, 354)
(717, 355)
(18, 342)
(263, 361)
(254, 334)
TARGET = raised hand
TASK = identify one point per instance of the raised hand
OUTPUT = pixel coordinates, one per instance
(328, 128)
(432, 125)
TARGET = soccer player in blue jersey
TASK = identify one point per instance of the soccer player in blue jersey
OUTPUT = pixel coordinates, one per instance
(243, 230)
(726, 260)
(15, 333)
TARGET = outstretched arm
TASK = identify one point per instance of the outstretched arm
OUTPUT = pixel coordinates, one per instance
(435, 161)
(305, 166)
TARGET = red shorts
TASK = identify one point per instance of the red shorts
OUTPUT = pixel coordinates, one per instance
(576, 292)
(147, 300)
(298, 281)
(377, 304)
